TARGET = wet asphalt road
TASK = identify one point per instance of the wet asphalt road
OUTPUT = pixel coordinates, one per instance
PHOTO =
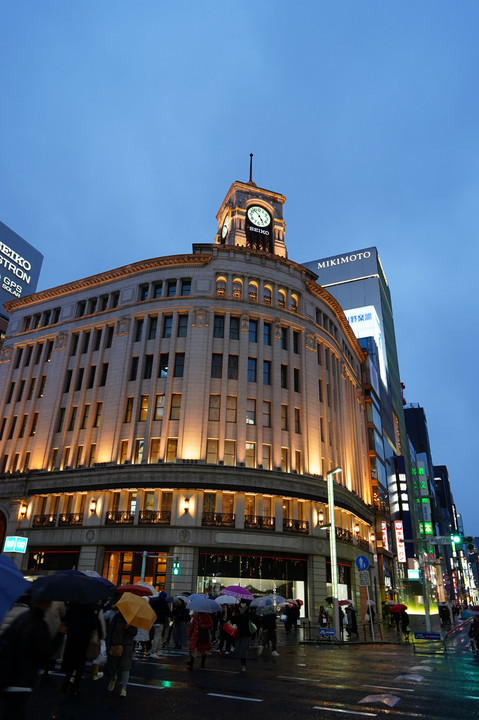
(305, 681)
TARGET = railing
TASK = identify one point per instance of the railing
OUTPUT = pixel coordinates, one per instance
(362, 543)
(212, 519)
(47, 520)
(154, 517)
(345, 535)
(295, 526)
(119, 517)
(70, 519)
(258, 522)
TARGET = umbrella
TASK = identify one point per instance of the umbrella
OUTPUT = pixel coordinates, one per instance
(370, 602)
(152, 589)
(228, 600)
(237, 591)
(398, 608)
(328, 600)
(185, 598)
(260, 601)
(136, 610)
(12, 584)
(135, 589)
(345, 602)
(203, 605)
(70, 587)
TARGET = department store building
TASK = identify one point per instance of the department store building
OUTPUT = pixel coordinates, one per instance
(174, 420)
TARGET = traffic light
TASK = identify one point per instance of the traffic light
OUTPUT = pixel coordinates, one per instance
(456, 539)
(462, 540)
(176, 567)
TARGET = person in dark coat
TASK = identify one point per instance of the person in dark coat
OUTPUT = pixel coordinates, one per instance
(118, 633)
(241, 619)
(25, 647)
(352, 623)
(181, 618)
(405, 625)
(268, 621)
(81, 621)
(163, 612)
(199, 633)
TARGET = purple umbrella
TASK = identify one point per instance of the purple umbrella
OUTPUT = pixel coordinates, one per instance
(237, 591)
(12, 584)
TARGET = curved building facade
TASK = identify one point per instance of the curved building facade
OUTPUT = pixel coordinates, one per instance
(174, 420)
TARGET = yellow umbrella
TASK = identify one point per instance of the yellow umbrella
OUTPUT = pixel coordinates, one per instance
(136, 611)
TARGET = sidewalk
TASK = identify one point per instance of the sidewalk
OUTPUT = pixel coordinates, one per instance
(308, 635)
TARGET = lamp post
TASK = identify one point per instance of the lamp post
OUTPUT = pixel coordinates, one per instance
(332, 549)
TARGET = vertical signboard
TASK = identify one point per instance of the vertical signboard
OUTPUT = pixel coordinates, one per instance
(401, 548)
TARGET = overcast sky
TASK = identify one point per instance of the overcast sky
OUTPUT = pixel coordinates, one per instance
(123, 124)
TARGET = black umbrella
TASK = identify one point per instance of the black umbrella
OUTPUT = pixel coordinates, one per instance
(328, 599)
(70, 588)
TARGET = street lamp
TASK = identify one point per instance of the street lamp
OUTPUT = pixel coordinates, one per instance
(332, 549)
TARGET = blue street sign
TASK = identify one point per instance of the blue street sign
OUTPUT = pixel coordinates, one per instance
(326, 631)
(15, 543)
(427, 636)
(362, 563)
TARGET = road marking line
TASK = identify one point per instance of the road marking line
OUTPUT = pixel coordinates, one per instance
(350, 712)
(472, 697)
(290, 677)
(385, 687)
(230, 672)
(151, 687)
(234, 697)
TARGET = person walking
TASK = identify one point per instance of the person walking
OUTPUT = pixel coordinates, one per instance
(81, 621)
(322, 617)
(268, 622)
(162, 608)
(120, 643)
(199, 633)
(242, 621)
(405, 627)
(224, 637)
(181, 618)
(352, 622)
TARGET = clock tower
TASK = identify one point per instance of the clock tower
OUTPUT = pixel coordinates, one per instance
(252, 217)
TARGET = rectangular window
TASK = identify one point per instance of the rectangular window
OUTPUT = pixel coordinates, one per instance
(18, 358)
(23, 426)
(163, 365)
(267, 333)
(231, 405)
(171, 288)
(284, 417)
(104, 373)
(212, 452)
(48, 352)
(284, 459)
(250, 455)
(296, 382)
(60, 419)
(96, 339)
(216, 365)
(157, 290)
(147, 367)
(219, 326)
(2, 427)
(67, 381)
(143, 292)
(138, 332)
(138, 451)
(91, 377)
(296, 341)
(320, 390)
(53, 460)
(232, 367)
(134, 368)
(266, 413)
(328, 395)
(74, 344)
(298, 461)
(28, 355)
(143, 412)
(171, 450)
(91, 456)
(97, 418)
(123, 452)
(179, 368)
(250, 411)
(186, 286)
(234, 327)
(38, 353)
(182, 328)
(152, 327)
(230, 453)
(109, 335)
(175, 406)
(252, 369)
(128, 410)
(214, 408)
(78, 456)
(10, 393)
(321, 428)
(297, 421)
(12, 427)
(253, 331)
(284, 376)
(86, 342)
(154, 457)
(31, 388)
(84, 420)
(33, 428)
(66, 457)
(21, 388)
(167, 325)
(73, 414)
(79, 378)
(159, 407)
(267, 457)
(266, 372)
(284, 338)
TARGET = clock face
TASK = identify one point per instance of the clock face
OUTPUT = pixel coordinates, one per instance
(259, 216)
(224, 229)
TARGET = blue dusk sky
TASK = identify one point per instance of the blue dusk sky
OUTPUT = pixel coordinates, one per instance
(123, 124)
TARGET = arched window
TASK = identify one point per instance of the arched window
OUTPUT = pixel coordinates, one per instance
(294, 303)
(237, 289)
(268, 295)
(281, 298)
(253, 292)
(220, 287)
